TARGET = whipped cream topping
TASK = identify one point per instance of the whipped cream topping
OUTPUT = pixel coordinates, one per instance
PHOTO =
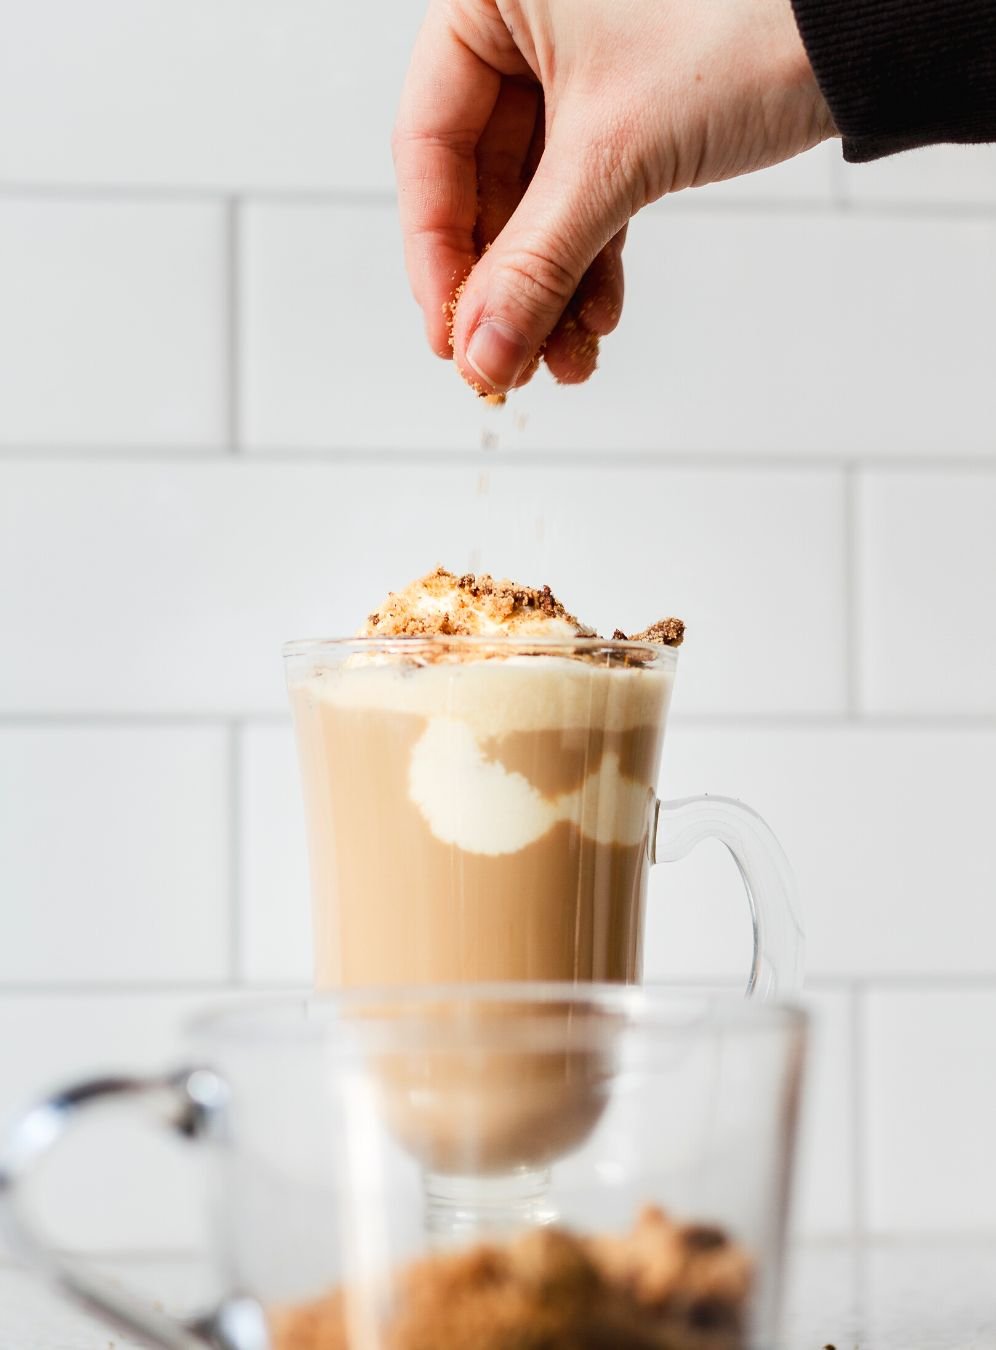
(482, 807)
(443, 604)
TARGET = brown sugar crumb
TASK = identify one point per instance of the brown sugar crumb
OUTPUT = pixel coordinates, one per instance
(665, 633)
(449, 313)
(479, 605)
(486, 395)
(581, 346)
(472, 605)
(552, 1290)
(450, 309)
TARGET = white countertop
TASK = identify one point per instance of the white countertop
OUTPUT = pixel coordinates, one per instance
(923, 1295)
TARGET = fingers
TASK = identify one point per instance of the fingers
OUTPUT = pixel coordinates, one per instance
(522, 286)
(571, 351)
(507, 154)
(600, 295)
(466, 143)
(502, 152)
(448, 97)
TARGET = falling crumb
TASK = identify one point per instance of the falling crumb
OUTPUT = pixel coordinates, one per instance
(489, 440)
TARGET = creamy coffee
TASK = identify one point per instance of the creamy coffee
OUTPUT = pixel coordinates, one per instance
(479, 818)
(479, 777)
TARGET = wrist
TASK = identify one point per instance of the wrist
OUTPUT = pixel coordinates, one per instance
(795, 70)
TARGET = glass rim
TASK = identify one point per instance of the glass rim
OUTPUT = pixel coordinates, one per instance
(309, 1017)
(404, 645)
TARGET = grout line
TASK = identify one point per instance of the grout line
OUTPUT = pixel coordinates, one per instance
(857, 986)
(192, 193)
(836, 203)
(521, 459)
(860, 721)
(94, 453)
(129, 988)
(113, 192)
(163, 1256)
(858, 1111)
(233, 322)
(838, 185)
(109, 988)
(935, 981)
(946, 1240)
(871, 723)
(859, 1177)
(235, 817)
(124, 720)
(852, 597)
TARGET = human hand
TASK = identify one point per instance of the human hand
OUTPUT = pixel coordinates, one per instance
(530, 131)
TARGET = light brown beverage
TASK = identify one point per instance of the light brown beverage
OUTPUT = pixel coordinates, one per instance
(479, 819)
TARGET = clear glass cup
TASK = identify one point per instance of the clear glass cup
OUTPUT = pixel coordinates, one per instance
(486, 809)
(353, 1135)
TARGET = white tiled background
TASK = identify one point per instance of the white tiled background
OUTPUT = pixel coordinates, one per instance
(219, 428)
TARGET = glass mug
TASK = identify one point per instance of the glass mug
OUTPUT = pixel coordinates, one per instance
(424, 1151)
(485, 809)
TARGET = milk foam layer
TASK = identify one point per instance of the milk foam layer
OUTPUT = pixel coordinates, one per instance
(469, 799)
(496, 697)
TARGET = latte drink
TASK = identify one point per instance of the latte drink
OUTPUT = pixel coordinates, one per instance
(479, 779)
(479, 816)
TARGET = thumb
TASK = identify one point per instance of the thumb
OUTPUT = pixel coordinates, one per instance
(518, 290)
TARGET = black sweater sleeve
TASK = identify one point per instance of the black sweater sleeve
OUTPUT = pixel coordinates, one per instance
(903, 73)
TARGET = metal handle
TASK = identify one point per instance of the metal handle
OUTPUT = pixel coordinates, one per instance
(191, 1104)
(777, 967)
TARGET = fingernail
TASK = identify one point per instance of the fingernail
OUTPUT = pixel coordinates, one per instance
(498, 353)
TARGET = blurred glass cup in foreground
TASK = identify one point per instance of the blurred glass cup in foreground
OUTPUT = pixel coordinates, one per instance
(456, 1167)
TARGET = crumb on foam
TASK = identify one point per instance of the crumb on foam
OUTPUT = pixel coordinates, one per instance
(473, 605)
(442, 604)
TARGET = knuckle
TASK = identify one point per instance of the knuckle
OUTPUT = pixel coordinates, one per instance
(617, 162)
(543, 284)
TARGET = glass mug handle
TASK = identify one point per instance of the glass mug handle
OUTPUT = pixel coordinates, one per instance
(190, 1104)
(777, 967)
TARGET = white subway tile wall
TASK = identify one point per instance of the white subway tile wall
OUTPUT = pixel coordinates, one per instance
(926, 545)
(219, 429)
(929, 1101)
(237, 94)
(116, 845)
(275, 919)
(963, 175)
(112, 324)
(799, 333)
